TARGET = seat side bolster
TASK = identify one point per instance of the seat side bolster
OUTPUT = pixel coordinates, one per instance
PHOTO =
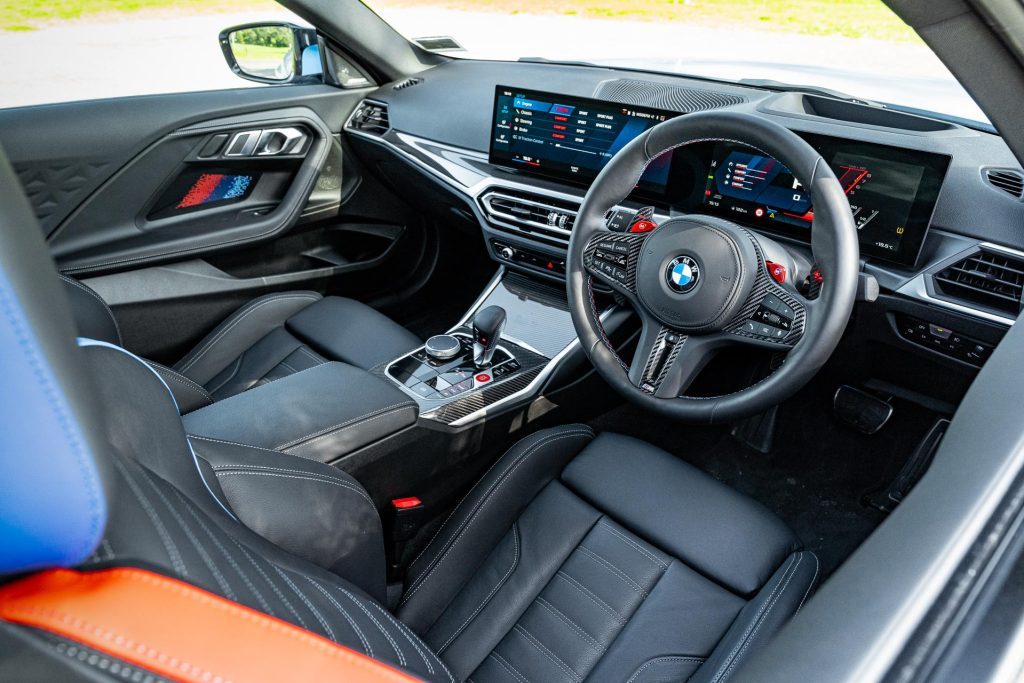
(773, 606)
(93, 317)
(482, 518)
(187, 394)
(309, 509)
(240, 331)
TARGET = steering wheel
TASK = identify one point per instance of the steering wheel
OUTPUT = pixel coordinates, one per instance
(700, 283)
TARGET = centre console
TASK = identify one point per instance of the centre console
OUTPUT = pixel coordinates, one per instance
(501, 355)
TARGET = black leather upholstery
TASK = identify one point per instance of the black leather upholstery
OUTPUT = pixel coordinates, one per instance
(315, 413)
(346, 330)
(93, 318)
(603, 559)
(172, 516)
(575, 558)
(313, 511)
(269, 338)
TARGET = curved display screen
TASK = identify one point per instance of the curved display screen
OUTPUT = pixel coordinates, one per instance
(892, 192)
(570, 138)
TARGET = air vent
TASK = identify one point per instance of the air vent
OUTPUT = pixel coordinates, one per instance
(987, 278)
(370, 117)
(407, 83)
(526, 212)
(1009, 181)
(664, 96)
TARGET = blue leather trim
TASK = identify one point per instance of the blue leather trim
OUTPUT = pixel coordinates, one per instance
(52, 509)
(82, 341)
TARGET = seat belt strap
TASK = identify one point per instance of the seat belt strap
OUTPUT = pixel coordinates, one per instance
(174, 629)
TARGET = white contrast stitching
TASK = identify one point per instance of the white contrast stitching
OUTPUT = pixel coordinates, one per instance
(561, 616)
(242, 314)
(727, 664)
(503, 477)
(817, 566)
(316, 478)
(348, 617)
(459, 505)
(673, 658)
(495, 589)
(639, 548)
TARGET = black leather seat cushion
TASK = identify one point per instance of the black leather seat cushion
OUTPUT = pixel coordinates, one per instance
(580, 558)
(271, 337)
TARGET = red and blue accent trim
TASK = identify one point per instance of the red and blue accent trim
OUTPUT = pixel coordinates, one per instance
(215, 187)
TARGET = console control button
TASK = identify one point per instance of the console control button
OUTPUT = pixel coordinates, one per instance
(443, 347)
(943, 340)
(425, 390)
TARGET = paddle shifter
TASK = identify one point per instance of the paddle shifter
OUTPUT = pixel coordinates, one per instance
(487, 327)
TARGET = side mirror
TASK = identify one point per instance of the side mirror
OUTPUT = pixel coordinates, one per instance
(271, 52)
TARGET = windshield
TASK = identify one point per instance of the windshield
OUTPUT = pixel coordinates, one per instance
(856, 47)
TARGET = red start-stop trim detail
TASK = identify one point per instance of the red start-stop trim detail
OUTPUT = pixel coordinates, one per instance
(777, 271)
(483, 378)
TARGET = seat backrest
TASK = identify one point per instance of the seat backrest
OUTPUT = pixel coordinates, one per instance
(56, 482)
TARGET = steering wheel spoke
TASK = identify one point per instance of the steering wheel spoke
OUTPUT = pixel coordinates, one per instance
(773, 317)
(666, 361)
(699, 282)
(611, 257)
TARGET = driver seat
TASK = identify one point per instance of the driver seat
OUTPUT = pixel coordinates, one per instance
(574, 558)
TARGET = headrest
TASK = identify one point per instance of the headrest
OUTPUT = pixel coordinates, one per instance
(53, 508)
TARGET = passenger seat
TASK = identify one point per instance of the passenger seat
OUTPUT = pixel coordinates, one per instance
(269, 338)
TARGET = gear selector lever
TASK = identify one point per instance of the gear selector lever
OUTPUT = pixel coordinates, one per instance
(487, 327)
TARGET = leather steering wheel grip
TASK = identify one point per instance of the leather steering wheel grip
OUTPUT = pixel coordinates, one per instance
(833, 242)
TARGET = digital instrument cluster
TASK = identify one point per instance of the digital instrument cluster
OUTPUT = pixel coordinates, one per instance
(892, 191)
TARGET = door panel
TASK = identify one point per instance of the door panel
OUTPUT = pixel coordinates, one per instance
(146, 200)
(64, 152)
(196, 190)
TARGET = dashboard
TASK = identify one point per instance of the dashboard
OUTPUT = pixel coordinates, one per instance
(510, 149)
(892, 191)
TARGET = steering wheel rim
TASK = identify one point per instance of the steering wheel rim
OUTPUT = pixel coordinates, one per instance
(833, 242)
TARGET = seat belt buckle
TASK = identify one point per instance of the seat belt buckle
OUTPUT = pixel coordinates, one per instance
(406, 518)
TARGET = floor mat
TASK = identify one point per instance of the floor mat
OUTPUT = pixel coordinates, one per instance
(814, 476)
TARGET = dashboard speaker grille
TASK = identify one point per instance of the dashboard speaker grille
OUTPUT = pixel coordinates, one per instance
(1007, 180)
(989, 278)
(664, 96)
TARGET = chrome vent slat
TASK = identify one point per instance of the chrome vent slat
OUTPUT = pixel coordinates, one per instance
(371, 117)
(532, 214)
(987, 277)
(1007, 180)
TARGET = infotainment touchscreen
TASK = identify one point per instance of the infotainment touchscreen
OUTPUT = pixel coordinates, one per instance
(892, 192)
(570, 138)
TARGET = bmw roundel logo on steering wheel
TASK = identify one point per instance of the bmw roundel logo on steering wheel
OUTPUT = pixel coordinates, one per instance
(683, 274)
